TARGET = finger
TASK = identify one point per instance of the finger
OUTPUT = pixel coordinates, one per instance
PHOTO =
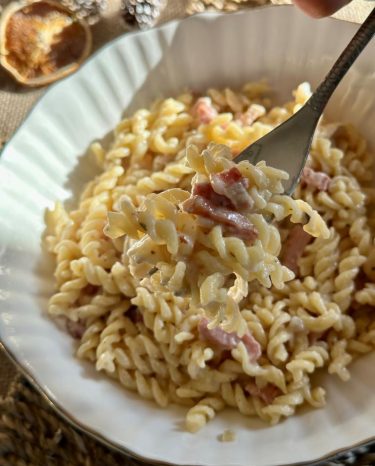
(320, 8)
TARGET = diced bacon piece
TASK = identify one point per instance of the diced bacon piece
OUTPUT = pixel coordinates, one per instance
(204, 110)
(233, 185)
(222, 340)
(318, 180)
(246, 234)
(206, 191)
(231, 176)
(254, 112)
(75, 329)
(217, 336)
(209, 224)
(294, 246)
(234, 223)
(268, 393)
(207, 203)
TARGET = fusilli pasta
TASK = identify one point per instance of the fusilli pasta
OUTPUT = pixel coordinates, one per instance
(195, 280)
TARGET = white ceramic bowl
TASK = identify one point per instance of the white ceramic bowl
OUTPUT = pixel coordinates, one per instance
(43, 162)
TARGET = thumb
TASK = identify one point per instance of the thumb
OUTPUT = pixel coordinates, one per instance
(320, 8)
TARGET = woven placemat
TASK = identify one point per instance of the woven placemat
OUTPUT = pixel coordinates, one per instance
(31, 433)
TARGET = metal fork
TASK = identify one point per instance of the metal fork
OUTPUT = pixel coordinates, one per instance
(288, 145)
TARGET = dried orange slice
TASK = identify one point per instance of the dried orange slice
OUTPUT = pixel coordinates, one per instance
(42, 41)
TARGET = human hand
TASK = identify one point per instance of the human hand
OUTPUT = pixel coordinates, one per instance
(320, 8)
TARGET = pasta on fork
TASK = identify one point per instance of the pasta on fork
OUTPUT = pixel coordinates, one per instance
(212, 242)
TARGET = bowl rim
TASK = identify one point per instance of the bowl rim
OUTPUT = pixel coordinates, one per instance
(26, 373)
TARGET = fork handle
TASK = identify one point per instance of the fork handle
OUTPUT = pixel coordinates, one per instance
(363, 36)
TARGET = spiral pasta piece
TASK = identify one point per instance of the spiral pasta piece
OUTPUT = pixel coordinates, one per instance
(201, 413)
(366, 295)
(344, 282)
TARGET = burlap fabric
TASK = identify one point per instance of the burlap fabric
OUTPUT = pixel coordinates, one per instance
(31, 434)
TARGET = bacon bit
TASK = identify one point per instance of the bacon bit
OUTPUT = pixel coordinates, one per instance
(206, 191)
(75, 329)
(134, 315)
(294, 246)
(254, 112)
(233, 185)
(318, 180)
(234, 223)
(217, 336)
(249, 236)
(205, 202)
(268, 393)
(233, 175)
(204, 110)
(222, 340)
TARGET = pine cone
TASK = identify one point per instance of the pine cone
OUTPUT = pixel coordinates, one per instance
(90, 10)
(142, 13)
(198, 6)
